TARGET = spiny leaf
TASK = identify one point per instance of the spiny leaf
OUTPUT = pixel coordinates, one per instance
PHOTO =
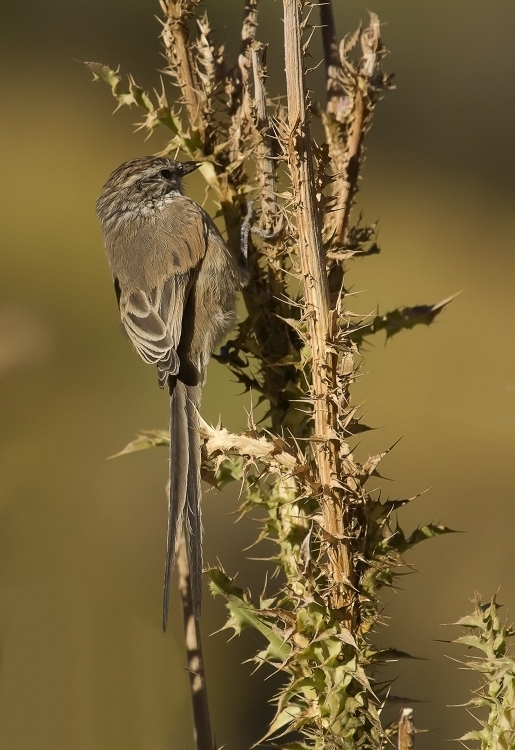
(132, 94)
(113, 79)
(284, 718)
(402, 543)
(243, 615)
(145, 440)
(230, 470)
(403, 318)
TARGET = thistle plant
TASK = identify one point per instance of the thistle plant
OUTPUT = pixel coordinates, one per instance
(486, 633)
(288, 202)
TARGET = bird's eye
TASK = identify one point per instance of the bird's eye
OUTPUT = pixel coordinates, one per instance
(166, 174)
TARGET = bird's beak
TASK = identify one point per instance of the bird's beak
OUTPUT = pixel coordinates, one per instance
(189, 166)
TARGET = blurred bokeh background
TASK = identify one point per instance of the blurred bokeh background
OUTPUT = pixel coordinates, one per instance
(83, 663)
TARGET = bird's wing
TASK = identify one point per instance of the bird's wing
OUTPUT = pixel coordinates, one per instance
(155, 337)
(167, 255)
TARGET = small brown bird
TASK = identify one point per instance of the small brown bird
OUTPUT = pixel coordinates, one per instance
(176, 283)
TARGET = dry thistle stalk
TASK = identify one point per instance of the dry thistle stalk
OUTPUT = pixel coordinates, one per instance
(322, 327)
(181, 67)
(406, 730)
(335, 544)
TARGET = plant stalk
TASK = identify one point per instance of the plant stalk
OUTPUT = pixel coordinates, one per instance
(406, 731)
(198, 690)
(321, 318)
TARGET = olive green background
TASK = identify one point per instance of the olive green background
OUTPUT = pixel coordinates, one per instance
(83, 663)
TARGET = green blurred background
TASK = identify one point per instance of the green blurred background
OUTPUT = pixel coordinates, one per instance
(83, 663)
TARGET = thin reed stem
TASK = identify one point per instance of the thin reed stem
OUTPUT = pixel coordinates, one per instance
(194, 658)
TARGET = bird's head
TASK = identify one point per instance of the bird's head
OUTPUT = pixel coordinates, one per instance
(140, 184)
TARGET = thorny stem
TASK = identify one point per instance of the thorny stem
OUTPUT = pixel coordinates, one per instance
(321, 319)
(334, 127)
(178, 52)
(241, 117)
(265, 161)
(345, 135)
(195, 662)
(331, 52)
(371, 48)
(266, 286)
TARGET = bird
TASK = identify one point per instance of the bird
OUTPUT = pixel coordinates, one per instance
(176, 283)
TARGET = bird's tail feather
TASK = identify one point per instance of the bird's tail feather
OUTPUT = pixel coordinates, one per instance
(194, 518)
(178, 487)
(185, 491)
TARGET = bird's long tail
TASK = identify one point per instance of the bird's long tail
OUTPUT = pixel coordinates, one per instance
(185, 490)
(194, 498)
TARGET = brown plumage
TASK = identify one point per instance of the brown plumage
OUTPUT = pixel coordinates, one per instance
(176, 285)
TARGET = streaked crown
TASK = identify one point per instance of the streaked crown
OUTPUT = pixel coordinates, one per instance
(141, 183)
